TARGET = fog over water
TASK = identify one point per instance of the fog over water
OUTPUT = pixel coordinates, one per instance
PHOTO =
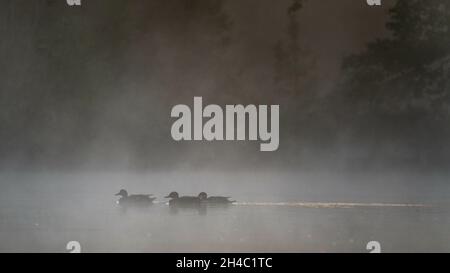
(44, 214)
(85, 100)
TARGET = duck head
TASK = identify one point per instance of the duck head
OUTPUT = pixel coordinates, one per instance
(202, 195)
(122, 193)
(173, 195)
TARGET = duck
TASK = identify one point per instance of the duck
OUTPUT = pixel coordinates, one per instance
(215, 200)
(134, 199)
(183, 201)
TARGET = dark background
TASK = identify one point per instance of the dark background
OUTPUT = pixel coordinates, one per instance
(92, 87)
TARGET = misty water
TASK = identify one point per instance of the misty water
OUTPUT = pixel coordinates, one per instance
(42, 212)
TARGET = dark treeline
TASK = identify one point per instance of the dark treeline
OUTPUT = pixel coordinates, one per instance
(93, 86)
(395, 96)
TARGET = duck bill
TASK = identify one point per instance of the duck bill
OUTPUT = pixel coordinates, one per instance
(167, 196)
(117, 194)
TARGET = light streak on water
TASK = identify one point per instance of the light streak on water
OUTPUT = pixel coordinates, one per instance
(330, 204)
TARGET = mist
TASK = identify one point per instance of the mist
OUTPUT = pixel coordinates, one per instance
(86, 95)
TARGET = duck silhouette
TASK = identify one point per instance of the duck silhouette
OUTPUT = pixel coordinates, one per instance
(214, 200)
(134, 200)
(183, 201)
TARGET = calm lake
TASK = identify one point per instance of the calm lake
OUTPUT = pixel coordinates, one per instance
(43, 212)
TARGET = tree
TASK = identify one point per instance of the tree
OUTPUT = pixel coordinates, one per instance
(407, 71)
(293, 61)
(397, 92)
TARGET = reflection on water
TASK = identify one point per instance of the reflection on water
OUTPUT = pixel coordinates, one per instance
(331, 204)
(36, 218)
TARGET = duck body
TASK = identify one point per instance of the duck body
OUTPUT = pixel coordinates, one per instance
(215, 200)
(134, 200)
(219, 200)
(183, 201)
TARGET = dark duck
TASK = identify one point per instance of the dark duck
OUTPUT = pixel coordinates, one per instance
(183, 201)
(134, 200)
(214, 200)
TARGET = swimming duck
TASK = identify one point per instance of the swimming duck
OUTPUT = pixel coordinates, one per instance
(183, 201)
(215, 200)
(134, 199)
